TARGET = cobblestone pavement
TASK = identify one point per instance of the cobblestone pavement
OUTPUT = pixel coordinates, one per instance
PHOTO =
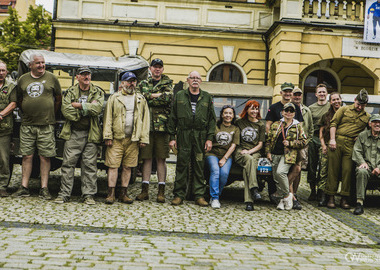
(148, 235)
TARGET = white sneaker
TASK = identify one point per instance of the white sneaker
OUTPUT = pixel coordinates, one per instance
(215, 204)
(280, 205)
(288, 202)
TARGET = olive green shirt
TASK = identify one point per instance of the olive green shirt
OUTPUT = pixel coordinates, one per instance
(37, 97)
(224, 137)
(317, 111)
(251, 133)
(7, 95)
(367, 150)
(84, 122)
(307, 123)
(349, 122)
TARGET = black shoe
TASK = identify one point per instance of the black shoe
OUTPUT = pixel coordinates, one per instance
(313, 196)
(324, 200)
(297, 205)
(249, 206)
(359, 209)
(274, 199)
(255, 194)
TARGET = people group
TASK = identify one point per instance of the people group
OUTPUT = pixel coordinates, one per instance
(143, 121)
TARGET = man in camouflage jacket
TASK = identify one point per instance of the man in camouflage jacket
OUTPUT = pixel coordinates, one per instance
(158, 91)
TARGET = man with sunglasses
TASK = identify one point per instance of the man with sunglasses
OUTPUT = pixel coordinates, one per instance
(81, 107)
(191, 128)
(345, 126)
(367, 158)
(318, 109)
(274, 111)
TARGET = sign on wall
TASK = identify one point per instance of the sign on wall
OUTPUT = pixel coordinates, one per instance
(359, 48)
(372, 21)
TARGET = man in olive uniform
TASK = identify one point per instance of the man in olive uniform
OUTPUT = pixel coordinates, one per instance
(81, 106)
(318, 109)
(158, 91)
(8, 99)
(40, 96)
(345, 126)
(191, 127)
(367, 158)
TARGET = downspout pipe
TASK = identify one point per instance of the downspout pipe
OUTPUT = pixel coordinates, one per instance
(52, 42)
(266, 72)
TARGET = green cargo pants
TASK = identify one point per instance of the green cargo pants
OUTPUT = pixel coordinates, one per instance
(340, 160)
(249, 164)
(190, 145)
(323, 160)
(362, 177)
(76, 146)
(5, 148)
(280, 171)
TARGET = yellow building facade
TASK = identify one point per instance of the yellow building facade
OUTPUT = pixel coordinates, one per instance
(22, 7)
(246, 42)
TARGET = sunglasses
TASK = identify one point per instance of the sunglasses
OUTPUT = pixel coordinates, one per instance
(291, 110)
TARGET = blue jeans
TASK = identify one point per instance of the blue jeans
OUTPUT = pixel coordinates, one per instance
(218, 176)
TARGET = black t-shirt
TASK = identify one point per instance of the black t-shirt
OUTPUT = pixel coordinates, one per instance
(194, 100)
(155, 82)
(279, 146)
(274, 112)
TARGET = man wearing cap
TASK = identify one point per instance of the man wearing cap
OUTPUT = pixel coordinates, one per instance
(39, 95)
(345, 126)
(367, 158)
(8, 99)
(126, 128)
(158, 91)
(301, 162)
(191, 127)
(318, 109)
(274, 111)
(81, 106)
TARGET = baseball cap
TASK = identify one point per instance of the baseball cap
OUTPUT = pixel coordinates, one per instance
(375, 117)
(289, 105)
(287, 86)
(297, 90)
(128, 75)
(157, 61)
(83, 70)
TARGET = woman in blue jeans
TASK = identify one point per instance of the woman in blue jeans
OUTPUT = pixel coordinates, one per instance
(219, 159)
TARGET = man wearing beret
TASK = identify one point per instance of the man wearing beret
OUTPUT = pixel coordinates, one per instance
(158, 91)
(126, 128)
(345, 126)
(81, 106)
(367, 158)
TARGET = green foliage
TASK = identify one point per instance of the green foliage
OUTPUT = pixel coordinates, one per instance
(34, 33)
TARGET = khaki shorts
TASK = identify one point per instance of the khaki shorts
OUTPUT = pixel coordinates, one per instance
(41, 137)
(158, 146)
(302, 156)
(122, 151)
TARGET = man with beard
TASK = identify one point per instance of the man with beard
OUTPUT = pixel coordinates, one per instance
(126, 127)
(39, 95)
(346, 125)
(81, 107)
(8, 99)
(158, 91)
(191, 127)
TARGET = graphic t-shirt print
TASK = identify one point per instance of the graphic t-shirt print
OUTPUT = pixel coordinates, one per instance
(223, 138)
(35, 89)
(249, 134)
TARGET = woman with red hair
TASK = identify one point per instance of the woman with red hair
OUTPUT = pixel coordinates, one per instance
(247, 154)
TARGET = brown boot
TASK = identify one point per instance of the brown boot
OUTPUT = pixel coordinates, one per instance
(201, 202)
(144, 195)
(177, 201)
(4, 193)
(123, 197)
(161, 193)
(343, 203)
(111, 195)
(331, 203)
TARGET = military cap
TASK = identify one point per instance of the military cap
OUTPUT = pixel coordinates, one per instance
(289, 105)
(362, 97)
(157, 61)
(375, 117)
(297, 90)
(287, 86)
(128, 75)
(83, 70)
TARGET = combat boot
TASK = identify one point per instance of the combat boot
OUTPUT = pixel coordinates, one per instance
(111, 195)
(123, 197)
(144, 195)
(161, 193)
(313, 193)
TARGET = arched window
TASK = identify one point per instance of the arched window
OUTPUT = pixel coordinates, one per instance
(317, 77)
(226, 73)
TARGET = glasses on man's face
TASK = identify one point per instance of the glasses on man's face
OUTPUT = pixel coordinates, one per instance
(195, 78)
(289, 110)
